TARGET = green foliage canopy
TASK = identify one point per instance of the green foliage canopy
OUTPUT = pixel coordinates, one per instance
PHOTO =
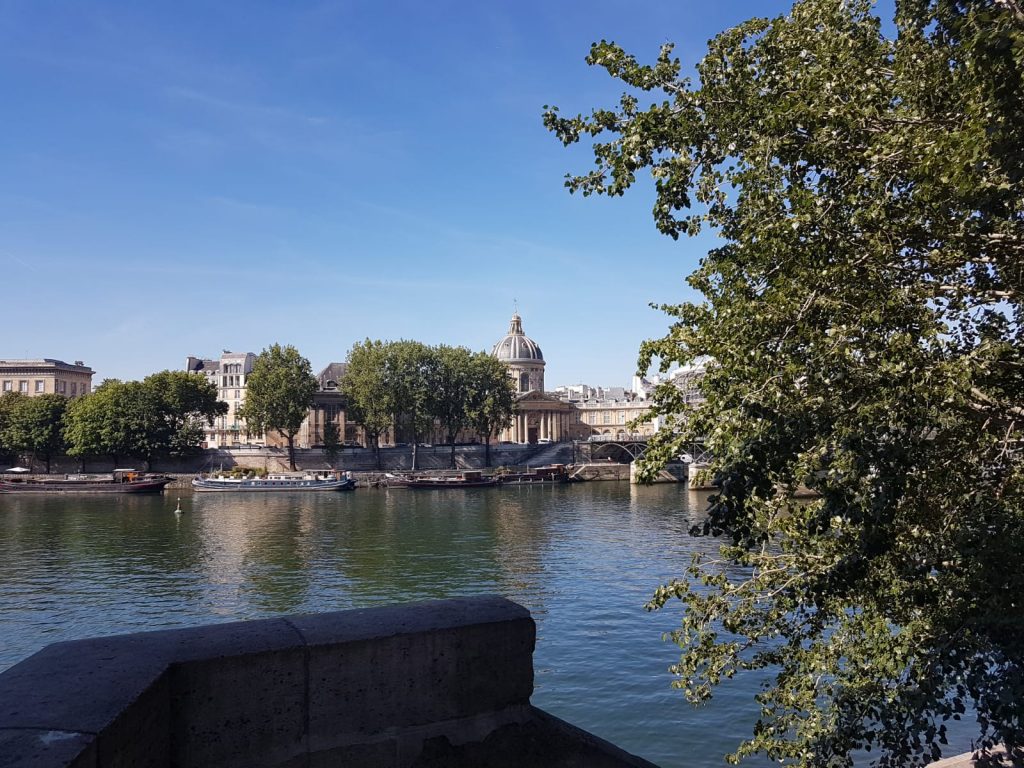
(863, 312)
(491, 398)
(8, 402)
(159, 416)
(407, 366)
(279, 393)
(367, 396)
(33, 425)
(184, 401)
(449, 386)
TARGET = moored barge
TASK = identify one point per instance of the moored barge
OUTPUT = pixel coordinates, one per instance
(118, 481)
(276, 482)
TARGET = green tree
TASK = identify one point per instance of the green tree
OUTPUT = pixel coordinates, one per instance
(121, 419)
(184, 401)
(491, 398)
(84, 421)
(407, 366)
(33, 426)
(449, 384)
(8, 402)
(367, 396)
(332, 441)
(864, 314)
(279, 394)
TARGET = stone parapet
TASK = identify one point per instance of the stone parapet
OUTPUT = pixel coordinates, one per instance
(438, 683)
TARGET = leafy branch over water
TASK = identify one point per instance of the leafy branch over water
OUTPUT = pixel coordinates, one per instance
(864, 318)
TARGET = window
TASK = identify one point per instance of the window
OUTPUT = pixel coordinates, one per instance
(23, 386)
(8, 386)
(40, 385)
(74, 388)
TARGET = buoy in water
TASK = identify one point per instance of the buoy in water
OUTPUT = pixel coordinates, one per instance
(177, 509)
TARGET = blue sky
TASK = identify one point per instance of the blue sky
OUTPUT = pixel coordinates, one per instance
(190, 177)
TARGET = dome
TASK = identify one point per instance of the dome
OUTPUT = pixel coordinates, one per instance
(517, 345)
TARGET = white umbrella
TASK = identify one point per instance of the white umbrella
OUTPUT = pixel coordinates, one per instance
(18, 469)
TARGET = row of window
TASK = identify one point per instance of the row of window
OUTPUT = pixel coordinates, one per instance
(61, 387)
(604, 417)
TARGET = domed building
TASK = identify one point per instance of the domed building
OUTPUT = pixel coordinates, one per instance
(522, 356)
(541, 417)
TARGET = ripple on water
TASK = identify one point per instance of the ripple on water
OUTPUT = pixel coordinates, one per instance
(584, 559)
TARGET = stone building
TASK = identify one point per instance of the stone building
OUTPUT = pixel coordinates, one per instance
(613, 418)
(541, 417)
(45, 377)
(328, 405)
(230, 375)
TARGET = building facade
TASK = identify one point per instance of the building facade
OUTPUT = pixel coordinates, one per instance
(328, 406)
(230, 375)
(615, 418)
(540, 417)
(45, 377)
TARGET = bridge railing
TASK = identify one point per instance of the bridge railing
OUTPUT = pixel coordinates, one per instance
(621, 438)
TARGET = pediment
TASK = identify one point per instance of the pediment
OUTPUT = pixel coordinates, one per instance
(536, 397)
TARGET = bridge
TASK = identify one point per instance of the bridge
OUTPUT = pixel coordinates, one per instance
(626, 448)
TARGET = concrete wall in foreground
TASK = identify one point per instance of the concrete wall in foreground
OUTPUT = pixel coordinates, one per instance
(441, 683)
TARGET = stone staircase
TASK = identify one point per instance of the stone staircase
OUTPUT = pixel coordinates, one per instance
(550, 453)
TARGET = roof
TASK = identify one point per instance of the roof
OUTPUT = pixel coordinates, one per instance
(47, 362)
(331, 376)
(517, 345)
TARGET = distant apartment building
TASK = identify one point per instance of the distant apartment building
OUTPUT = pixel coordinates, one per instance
(230, 375)
(46, 376)
(575, 393)
(614, 418)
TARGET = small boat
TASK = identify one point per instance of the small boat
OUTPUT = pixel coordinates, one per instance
(549, 475)
(118, 481)
(276, 482)
(468, 479)
(394, 481)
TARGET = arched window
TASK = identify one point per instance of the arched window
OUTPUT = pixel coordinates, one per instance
(524, 382)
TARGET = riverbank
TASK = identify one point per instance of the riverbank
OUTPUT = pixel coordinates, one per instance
(394, 459)
(379, 479)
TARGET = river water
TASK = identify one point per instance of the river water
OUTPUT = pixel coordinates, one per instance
(583, 558)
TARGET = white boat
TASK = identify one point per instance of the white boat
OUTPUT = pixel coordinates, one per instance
(276, 481)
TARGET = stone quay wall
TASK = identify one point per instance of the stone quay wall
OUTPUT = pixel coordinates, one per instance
(354, 459)
(441, 683)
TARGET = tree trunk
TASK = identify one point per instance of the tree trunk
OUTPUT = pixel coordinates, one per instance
(452, 441)
(415, 449)
(291, 452)
(376, 449)
(487, 451)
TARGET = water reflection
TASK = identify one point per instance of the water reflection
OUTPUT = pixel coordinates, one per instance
(583, 558)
